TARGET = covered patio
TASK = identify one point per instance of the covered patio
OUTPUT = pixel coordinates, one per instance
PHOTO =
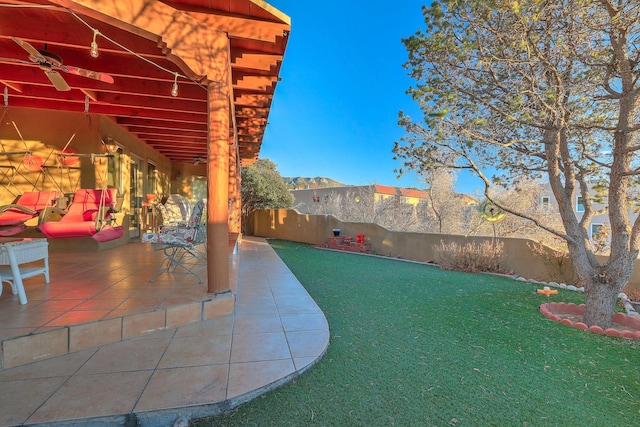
(191, 366)
(167, 96)
(180, 90)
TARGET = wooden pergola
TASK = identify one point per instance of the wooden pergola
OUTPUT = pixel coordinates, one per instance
(222, 56)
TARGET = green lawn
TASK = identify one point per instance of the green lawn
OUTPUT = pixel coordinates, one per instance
(412, 345)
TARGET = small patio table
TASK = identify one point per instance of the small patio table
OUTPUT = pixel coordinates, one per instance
(15, 251)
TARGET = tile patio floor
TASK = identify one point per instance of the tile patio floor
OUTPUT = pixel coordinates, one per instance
(276, 332)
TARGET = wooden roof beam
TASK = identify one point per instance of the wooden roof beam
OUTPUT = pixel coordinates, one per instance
(260, 83)
(243, 28)
(246, 100)
(256, 61)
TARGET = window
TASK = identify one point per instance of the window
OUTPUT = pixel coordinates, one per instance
(596, 231)
(545, 201)
(135, 195)
(115, 175)
(152, 178)
(579, 204)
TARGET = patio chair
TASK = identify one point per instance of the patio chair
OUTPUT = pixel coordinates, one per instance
(89, 215)
(29, 205)
(182, 245)
(175, 211)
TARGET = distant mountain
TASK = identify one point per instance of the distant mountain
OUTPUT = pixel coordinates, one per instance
(300, 183)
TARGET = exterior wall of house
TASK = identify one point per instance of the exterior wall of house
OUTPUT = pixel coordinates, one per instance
(596, 221)
(43, 133)
(46, 132)
(316, 229)
(414, 201)
(133, 146)
(304, 200)
(189, 180)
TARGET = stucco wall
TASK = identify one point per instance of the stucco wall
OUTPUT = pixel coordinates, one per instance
(47, 131)
(315, 229)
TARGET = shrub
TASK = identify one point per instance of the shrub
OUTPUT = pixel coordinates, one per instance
(471, 257)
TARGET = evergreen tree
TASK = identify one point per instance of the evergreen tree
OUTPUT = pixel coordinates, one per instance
(537, 89)
(263, 188)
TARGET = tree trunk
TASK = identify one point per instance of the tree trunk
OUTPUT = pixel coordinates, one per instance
(599, 304)
(602, 283)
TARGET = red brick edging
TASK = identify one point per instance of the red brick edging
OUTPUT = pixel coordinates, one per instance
(554, 311)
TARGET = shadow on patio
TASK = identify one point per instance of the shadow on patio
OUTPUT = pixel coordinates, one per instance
(118, 348)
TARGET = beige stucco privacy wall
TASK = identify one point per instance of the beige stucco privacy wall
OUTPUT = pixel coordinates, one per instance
(315, 229)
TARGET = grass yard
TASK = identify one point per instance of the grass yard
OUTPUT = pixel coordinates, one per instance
(412, 345)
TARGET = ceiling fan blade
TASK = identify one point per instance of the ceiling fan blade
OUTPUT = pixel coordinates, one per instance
(16, 61)
(57, 80)
(30, 49)
(103, 77)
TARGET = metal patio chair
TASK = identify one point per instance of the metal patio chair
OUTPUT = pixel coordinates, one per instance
(182, 245)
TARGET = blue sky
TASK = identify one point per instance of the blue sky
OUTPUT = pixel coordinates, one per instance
(335, 111)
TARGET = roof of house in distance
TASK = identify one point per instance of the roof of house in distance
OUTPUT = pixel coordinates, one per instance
(398, 191)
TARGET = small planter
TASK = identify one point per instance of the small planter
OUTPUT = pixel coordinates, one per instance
(336, 232)
(335, 242)
(571, 314)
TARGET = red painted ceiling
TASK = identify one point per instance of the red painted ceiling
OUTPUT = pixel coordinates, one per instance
(140, 98)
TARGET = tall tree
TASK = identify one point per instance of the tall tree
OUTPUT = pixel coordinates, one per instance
(532, 89)
(263, 188)
(526, 197)
(446, 206)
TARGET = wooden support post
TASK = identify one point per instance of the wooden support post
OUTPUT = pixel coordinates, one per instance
(238, 202)
(218, 187)
(234, 188)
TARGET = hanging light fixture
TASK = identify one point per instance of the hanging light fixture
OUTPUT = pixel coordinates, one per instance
(110, 145)
(94, 44)
(174, 90)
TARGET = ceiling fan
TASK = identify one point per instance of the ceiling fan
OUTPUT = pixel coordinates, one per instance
(50, 63)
